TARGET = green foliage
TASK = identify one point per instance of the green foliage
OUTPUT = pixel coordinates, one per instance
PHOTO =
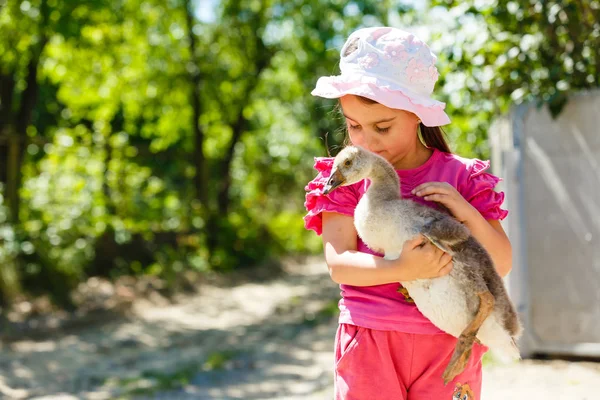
(107, 180)
(502, 52)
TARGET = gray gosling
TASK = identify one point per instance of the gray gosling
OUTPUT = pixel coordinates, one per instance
(470, 303)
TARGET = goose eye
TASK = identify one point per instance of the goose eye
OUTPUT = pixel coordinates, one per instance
(347, 163)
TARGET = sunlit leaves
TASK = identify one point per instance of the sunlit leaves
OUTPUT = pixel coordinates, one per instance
(516, 51)
(110, 157)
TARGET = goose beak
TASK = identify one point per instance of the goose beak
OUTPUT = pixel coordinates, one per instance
(335, 180)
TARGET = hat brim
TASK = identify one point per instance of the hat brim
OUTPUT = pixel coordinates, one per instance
(430, 111)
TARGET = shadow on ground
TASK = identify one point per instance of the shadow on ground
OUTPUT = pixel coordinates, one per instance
(254, 340)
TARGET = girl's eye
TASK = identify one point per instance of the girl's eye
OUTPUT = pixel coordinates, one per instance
(358, 127)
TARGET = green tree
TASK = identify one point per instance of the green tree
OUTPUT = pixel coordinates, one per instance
(159, 142)
(507, 52)
(26, 28)
(260, 121)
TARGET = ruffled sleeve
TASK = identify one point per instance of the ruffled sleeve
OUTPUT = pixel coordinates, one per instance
(479, 191)
(342, 200)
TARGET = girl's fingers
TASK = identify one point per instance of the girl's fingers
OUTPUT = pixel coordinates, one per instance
(418, 241)
(438, 197)
(445, 258)
(437, 252)
(422, 187)
(446, 269)
(432, 189)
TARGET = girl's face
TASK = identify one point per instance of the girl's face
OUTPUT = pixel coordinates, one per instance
(389, 132)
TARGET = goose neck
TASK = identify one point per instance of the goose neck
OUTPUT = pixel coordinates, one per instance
(384, 179)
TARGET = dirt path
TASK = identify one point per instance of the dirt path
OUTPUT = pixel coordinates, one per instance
(257, 340)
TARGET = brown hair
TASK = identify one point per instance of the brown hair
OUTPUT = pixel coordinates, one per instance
(431, 136)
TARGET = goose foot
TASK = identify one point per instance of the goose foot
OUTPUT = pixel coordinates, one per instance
(463, 348)
(460, 358)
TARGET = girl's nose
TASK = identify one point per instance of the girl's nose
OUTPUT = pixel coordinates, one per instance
(371, 140)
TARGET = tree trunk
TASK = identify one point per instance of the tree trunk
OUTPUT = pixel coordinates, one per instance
(7, 86)
(10, 285)
(18, 140)
(200, 181)
(238, 128)
(16, 147)
(223, 199)
(14, 153)
(14, 135)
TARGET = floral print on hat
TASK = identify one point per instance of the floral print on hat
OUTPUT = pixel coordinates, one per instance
(392, 67)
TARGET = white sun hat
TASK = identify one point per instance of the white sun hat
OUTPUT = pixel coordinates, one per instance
(389, 66)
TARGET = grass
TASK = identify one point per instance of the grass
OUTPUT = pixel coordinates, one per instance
(150, 382)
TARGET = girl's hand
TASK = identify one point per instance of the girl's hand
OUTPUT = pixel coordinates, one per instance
(447, 195)
(420, 259)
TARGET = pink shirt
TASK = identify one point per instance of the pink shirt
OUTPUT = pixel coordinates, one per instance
(382, 307)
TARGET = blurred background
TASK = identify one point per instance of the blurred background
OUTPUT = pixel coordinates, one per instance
(153, 158)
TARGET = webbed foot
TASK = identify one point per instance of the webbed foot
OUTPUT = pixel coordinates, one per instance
(460, 358)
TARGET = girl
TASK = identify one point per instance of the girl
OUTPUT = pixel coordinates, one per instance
(385, 348)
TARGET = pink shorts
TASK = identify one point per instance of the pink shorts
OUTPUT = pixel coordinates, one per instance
(372, 364)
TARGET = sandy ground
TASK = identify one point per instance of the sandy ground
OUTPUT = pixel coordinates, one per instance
(269, 339)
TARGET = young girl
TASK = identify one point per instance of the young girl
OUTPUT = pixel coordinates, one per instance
(385, 348)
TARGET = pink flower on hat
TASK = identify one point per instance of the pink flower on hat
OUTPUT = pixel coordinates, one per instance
(369, 61)
(394, 51)
(417, 70)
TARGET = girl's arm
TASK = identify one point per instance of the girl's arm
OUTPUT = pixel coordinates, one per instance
(351, 267)
(488, 232)
(492, 236)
